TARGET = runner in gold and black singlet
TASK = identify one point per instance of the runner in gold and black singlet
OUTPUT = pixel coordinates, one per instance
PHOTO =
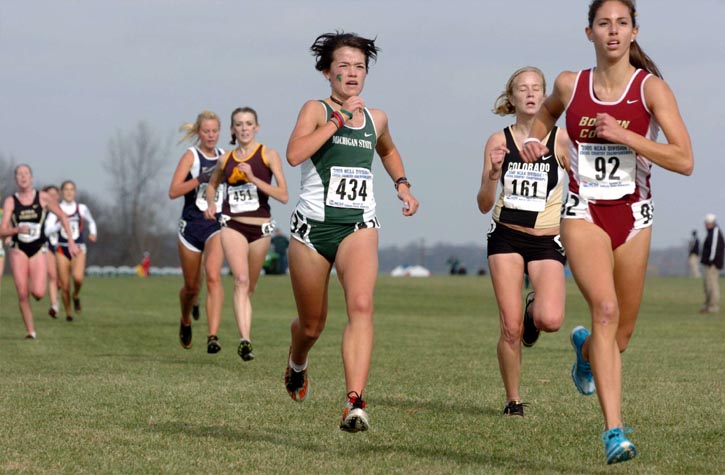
(334, 141)
(246, 216)
(524, 234)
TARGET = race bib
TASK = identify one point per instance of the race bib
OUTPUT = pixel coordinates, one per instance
(201, 203)
(574, 207)
(606, 171)
(525, 188)
(243, 198)
(350, 187)
(75, 228)
(643, 212)
(32, 234)
(268, 228)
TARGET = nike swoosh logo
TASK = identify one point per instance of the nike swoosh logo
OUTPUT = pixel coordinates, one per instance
(368, 135)
(632, 102)
(546, 157)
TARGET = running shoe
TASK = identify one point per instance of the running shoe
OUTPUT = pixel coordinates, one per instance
(245, 350)
(616, 445)
(296, 383)
(68, 318)
(195, 312)
(53, 313)
(514, 408)
(212, 344)
(581, 372)
(77, 304)
(354, 417)
(185, 335)
(30, 336)
(531, 333)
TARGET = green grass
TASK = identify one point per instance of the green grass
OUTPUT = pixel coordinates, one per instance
(114, 392)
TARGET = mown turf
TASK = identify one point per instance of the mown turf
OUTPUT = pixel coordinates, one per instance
(114, 391)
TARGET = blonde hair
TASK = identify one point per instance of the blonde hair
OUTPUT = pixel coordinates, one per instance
(502, 105)
(191, 131)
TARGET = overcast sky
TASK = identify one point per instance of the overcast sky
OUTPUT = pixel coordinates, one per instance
(75, 73)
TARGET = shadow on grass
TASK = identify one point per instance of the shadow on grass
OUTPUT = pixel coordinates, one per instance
(475, 454)
(413, 405)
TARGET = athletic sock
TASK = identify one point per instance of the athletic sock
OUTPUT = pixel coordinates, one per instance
(297, 367)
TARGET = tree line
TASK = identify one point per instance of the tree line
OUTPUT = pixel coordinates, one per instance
(131, 216)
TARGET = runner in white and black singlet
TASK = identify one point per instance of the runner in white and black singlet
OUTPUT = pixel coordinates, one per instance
(524, 234)
(333, 142)
(199, 240)
(71, 268)
(613, 113)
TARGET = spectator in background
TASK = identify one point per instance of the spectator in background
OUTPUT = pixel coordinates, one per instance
(712, 259)
(142, 270)
(280, 242)
(693, 258)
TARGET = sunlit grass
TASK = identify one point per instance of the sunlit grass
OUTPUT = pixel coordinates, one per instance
(114, 392)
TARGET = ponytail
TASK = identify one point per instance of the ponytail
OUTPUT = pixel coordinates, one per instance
(639, 59)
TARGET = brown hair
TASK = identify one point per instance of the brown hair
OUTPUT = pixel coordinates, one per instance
(637, 57)
(502, 105)
(67, 182)
(326, 44)
(237, 111)
(192, 130)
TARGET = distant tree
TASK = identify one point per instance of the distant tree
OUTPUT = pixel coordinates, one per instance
(7, 174)
(133, 220)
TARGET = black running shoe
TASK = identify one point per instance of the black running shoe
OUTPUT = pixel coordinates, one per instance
(185, 335)
(212, 344)
(53, 313)
(531, 333)
(245, 350)
(77, 304)
(68, 318)
(195, 312)
(514, 408)
(296, 384)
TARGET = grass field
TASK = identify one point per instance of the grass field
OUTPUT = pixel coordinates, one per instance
(114, 392)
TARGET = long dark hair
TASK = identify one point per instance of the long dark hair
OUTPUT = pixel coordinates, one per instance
(637, 57)
(326, 44)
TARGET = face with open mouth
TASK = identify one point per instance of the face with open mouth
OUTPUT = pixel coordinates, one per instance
(612, 30)
(209, 134)
(244, 127)
(347, 72)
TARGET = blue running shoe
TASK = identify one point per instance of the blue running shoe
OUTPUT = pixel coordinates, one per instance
(618, 447)
(581, 372)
